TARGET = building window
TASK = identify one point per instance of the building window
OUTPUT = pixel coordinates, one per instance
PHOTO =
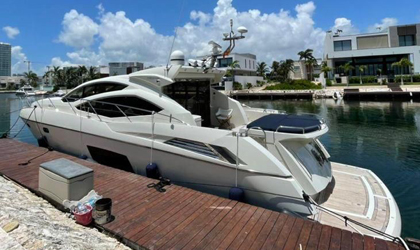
(225, 62)
(245, 63)
(253, 64)
(296, 68)
(249, 64)
(407, 40)
(342, 45)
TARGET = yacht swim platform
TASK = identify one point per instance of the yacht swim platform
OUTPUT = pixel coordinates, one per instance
(182, 218)
(362, 195)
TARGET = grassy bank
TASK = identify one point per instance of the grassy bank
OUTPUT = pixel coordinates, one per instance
(294, 85)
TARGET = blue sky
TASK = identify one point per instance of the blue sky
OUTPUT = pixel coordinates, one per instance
(40, 24)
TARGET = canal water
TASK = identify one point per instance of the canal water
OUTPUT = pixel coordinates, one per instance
(381, 136)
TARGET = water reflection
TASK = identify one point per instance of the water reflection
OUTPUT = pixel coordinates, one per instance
(381, 136)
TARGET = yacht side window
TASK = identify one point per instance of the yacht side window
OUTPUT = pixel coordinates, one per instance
(130, 105)
(93, 89)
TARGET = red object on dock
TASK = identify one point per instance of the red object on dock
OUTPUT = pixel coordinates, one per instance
(84, 218)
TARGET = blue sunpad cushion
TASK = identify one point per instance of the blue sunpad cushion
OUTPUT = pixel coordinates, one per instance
(292, 123)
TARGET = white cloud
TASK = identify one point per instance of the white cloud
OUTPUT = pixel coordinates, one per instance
(345, 26)
(18, 60)
(78, 30)
(385, 23)
(11, 32)
(272, 36)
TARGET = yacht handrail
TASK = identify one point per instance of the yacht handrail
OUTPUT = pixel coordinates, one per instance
(119, 109)
(265, 134)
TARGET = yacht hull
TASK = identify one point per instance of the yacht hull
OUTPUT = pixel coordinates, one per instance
(180, 169)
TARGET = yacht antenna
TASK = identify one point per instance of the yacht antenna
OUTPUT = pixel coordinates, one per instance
(231, 37)
(176, 32)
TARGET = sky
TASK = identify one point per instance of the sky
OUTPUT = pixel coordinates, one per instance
(95, 32)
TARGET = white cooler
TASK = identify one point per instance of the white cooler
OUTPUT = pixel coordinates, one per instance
(62, 179)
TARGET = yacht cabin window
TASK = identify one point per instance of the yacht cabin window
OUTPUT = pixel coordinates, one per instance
(130, 105)
(93, 89)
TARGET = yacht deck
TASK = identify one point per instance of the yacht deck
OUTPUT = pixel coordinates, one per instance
(358, 194)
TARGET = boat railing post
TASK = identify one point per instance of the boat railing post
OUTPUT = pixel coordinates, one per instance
(51, 102)
(153, 137)
(265, 134)
(122, 112)
(88, 101)
(237, 159)
(67, 100)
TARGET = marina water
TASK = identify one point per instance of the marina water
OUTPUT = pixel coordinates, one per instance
(381, 136)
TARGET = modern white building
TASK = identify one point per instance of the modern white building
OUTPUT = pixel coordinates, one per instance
(301, 70)
(124, 68)
(377, 51)
(247, 70)
(11, 81)
(5, 59)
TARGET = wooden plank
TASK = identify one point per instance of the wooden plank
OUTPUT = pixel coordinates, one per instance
(251, 237)
(180, 240)
(219, 232)
(294, 234)
(242, 235)
(346, 240)
(231, 236)
(304, 235)
(210, 226)
(272, 237)
(380, 244)
(265, 231)
(285, 232)
(368, 243)
(314, 237)
(324, 240)
(357, 242)
(335, 243)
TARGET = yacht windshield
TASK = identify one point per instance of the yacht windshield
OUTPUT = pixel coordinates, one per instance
(310, 155)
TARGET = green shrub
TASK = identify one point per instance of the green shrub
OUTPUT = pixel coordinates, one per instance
(237, 86)
(249, 85)
(407, 78)
(260, 83)
(315, 75)
(365, 79)
(329, 82)
(294, 85)
(56, 88)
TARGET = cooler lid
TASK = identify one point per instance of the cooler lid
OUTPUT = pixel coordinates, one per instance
(66, 168)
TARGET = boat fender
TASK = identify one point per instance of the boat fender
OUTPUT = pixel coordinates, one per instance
(43, 142)
(236, 194)
(152, 171)
(83, 157)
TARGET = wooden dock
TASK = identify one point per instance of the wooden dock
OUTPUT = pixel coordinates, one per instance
(182, 218)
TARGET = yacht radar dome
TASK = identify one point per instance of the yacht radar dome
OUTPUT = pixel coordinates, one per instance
(177, 58)
(242, 30)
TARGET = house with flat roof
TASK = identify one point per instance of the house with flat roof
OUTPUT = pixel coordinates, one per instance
(377, 51)
(247, 70)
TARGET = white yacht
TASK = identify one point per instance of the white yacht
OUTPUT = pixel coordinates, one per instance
(202, 139)
(26, 90)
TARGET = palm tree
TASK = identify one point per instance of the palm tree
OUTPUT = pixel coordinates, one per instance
(404, 62)
(274, 68)
(233, 65)
(285, 68)
(310, 63)
(32, 78)
(262, 69)
(92, 73)
(325, 69)
(81, 71)
(347, 68)
(306, 55)
(361, 69)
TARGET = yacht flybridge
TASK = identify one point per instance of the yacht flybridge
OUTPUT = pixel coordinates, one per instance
(202, 139)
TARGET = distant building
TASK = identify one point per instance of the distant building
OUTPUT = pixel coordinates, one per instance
(103, 71)
(302, 71)
(123, 68)
(247, 70)
(377, 51)
(5, 59)
(11, 82)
